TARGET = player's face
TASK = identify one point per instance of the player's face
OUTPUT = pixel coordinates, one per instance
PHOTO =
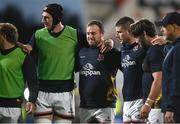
(122, 34)
(47, 20)
(168, 31)
(142, 40)
(94, 35)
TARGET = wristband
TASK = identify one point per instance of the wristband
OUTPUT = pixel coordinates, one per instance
(149, 102)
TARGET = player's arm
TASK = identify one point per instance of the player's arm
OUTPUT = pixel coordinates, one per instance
(30, 75)
(107, 46)
(113, 57)
(154, 93)
(27, 47)
(156, 86)
(82, 41)
(156, 59)
(173, 88)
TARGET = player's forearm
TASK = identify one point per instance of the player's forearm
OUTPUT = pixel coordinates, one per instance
(156, 88)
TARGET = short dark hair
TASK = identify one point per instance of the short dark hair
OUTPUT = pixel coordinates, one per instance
(98, 23)
(125, 22)
(9, 32)
(141, 26)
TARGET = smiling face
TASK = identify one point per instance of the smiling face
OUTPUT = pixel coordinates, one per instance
(94, 35)
(47, 20)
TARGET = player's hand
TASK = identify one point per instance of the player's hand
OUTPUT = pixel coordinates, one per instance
(30, 108)
(160, 40)
(169, 117)
(26, 48)
(145, 111)
(107, 46)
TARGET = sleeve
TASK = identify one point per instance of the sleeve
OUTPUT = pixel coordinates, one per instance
(32, 41)
(77, 61)
(174, 85)
(156, 59)
(30, 74)
(114, 58)
(82, 41)
(34, 52)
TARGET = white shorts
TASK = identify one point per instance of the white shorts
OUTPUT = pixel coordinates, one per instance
(97, 115)
(60, 104)
(9, 115)
(131, 111)
(156, 116)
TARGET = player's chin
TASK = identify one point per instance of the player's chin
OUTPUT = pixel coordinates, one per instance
(90, 41)
(46, 26)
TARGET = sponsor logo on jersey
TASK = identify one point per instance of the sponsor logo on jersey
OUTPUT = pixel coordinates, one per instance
(126, 62)
(88, 70)
(100, 57)
(82, 57)
(136, 48)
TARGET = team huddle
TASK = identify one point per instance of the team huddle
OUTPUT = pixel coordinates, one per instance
(150, 66)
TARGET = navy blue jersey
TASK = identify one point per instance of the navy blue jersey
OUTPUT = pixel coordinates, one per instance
(171, 79)
(152, 63)
(131, 61)
(97, 74)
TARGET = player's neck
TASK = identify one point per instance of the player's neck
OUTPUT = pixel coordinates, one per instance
(7, 45)
(132, 40)
(59, 27)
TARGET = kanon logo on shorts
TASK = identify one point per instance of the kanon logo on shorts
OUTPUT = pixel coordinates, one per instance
(87, 70)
